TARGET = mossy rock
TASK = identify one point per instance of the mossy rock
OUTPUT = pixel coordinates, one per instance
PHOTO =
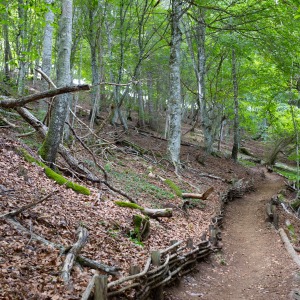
(129, 205)
(55, 176)
(174, 187)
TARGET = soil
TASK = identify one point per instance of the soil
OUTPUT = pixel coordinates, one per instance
(253, 263)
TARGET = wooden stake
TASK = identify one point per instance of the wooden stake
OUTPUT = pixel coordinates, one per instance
(100, 287)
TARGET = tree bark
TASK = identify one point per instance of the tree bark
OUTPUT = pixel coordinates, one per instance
(175, 86)
(236, 129)
(50, 146)
(47, 42)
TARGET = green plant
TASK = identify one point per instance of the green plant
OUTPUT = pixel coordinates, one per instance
(174, 187)
(135, 184)
(289, 174)
(134, 239)
(247, 163)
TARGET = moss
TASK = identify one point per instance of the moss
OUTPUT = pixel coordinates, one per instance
(42, 150)
(31, 159)
(69, 184)
(128, 204)
(174, 187)
(141, 228)
(55, 176)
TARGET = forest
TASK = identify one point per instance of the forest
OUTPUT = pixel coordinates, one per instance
(127, 126)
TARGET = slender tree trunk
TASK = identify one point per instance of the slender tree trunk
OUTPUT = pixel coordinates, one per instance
(95, 48)
(174, 139)
(21, 46)
(7, 51)
(118, 98)
(50, 145)
(204, 115)
(47, 42)
(236, 129)
(141, 121)
(150, 103)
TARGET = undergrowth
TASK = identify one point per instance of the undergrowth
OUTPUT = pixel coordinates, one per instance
(289, 174)
(138, 185)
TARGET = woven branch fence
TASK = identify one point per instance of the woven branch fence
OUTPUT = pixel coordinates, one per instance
(165, 266)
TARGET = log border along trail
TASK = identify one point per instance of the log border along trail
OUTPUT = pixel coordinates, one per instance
(253, 263)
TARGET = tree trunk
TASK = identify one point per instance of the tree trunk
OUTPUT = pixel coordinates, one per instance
(141, 120)
(236, 133)
(51, 143)
(21, 46)
(152, 123)
(7, 50)
(94, 38)
(175, 88)
(47, 43)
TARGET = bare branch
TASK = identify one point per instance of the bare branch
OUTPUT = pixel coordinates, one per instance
(7, 102)
(25, 207)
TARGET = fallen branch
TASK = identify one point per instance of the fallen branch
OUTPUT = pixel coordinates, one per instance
(202, 196)
(119, 192)
(8, 102)
(289, 247)
(86, 262)
(46, 77)
(25, 207)
(89, 150)
(8, 122)
(33, 236)
(73, 253)
(80, 259)
(158, 213)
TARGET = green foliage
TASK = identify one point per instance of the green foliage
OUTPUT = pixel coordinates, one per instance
(174, 187)
(135, 240)
(289, 174)
(129, 205)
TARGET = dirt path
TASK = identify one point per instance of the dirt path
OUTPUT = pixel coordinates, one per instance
(253, 263)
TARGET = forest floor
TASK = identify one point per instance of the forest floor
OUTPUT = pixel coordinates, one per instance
(253, 263)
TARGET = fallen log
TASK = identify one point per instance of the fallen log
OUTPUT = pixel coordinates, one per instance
(202, 196)
(73, 253)
(289, 247)
(157, 213)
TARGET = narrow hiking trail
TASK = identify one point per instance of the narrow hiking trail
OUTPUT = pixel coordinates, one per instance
(253, 263)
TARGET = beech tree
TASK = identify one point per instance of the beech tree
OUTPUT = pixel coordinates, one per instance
(175, 85)
(53, 138)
